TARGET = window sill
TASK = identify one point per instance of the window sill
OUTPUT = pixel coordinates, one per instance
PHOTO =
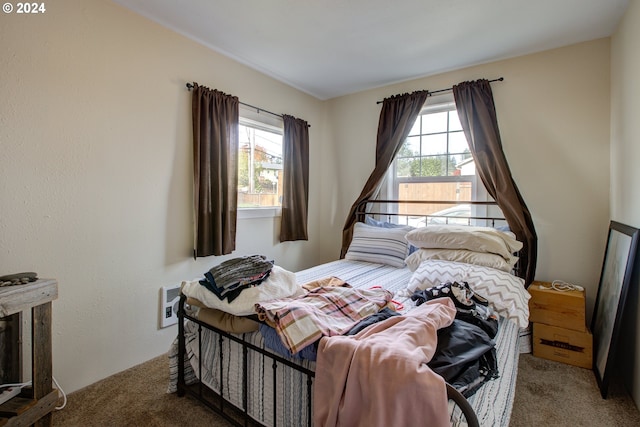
(251, 213)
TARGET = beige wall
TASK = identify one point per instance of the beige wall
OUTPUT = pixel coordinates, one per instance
(95, 173)
(625, 174)
(553, 112)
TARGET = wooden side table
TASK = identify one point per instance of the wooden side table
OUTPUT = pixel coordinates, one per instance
(559, 330)
(34, 405)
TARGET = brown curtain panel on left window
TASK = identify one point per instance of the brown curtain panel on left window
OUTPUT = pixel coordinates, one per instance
(215, 171)
(295, 193)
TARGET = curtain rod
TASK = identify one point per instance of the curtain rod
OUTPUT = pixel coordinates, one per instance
(258, 109)
(451, 88)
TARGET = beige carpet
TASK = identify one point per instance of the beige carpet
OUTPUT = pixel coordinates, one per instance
(135, 397)
(554, 394)
(547, 394)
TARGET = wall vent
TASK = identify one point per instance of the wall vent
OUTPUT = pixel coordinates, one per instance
(170, 298)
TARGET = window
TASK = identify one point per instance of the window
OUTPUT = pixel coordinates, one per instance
(435, 163)
(260, 163)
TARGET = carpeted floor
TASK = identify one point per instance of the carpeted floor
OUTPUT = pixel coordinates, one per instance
(135, 397)
(547, 394)
(555, 394)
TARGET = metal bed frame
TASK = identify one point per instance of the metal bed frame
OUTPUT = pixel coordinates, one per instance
(239, 415)
(215, 400)
(362, 210)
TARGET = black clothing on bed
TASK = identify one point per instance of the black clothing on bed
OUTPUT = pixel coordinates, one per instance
(465, 357)
(465, 354)
(383, 314)
(470, 306)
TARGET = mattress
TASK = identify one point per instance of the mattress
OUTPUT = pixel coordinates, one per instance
(492, 402)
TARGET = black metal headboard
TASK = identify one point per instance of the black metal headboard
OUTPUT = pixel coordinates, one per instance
(425, 212)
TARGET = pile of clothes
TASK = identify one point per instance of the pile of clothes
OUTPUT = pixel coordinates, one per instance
(230, 278)
(251, 293)
(465, 356)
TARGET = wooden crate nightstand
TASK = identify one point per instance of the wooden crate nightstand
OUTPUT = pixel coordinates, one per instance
(559, 325)
(564, 309)
(34, 405)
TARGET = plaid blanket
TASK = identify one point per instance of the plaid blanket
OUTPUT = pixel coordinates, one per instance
(324, 311)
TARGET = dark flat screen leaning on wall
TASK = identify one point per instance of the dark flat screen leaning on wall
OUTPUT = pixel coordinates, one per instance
(615, 281)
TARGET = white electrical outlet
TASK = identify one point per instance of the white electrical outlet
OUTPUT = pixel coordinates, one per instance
(170, 298)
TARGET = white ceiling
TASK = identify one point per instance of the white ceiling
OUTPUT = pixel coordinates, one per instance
(329, 48)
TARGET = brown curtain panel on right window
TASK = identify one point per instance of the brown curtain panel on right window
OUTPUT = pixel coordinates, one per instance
(477, 112)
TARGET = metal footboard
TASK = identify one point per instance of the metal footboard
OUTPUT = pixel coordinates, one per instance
(236, 414)
(461, 413)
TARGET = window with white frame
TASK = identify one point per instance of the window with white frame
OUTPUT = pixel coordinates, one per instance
(435, 163)
(260, 162)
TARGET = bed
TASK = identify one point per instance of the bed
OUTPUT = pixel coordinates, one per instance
(245, 378)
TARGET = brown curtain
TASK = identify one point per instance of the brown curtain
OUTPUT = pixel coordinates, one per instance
(215, 171)
(295, 192)
(396, 119)
(477, 112)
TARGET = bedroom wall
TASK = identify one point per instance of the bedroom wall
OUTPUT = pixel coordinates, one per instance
(625, 174)
(553, 113)
(95, 174)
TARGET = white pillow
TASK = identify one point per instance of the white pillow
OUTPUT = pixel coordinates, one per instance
(460, 255)
(379, 245)
(505, 292)
(477, 239)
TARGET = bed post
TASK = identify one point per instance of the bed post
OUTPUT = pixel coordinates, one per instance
(181, 345)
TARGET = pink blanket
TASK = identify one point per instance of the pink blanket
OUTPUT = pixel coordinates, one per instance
(380, 376)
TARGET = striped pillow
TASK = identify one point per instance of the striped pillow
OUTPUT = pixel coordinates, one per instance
(379, 245)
